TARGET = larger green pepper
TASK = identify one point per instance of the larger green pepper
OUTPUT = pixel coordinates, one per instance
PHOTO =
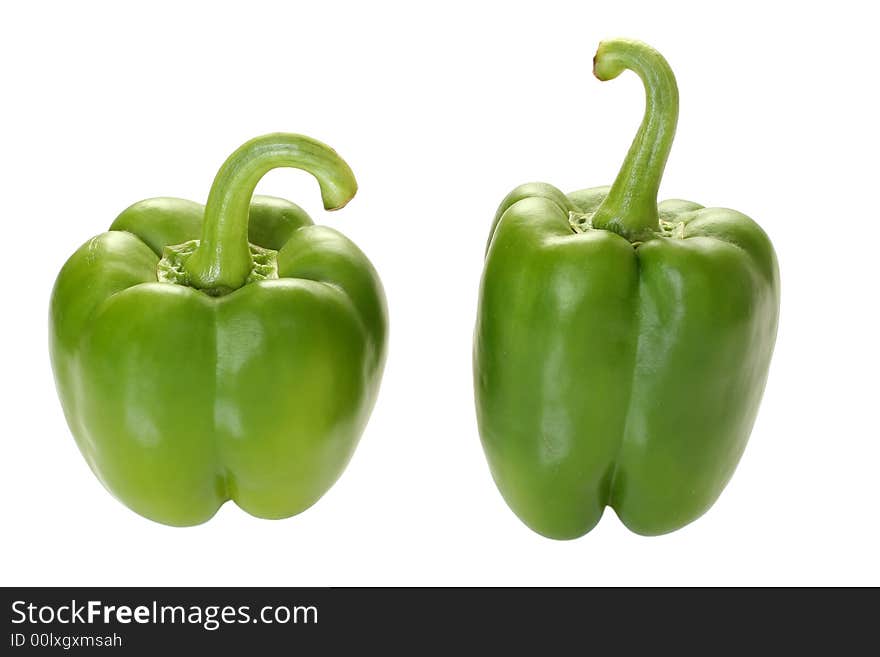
(231, 351)
(621, 347)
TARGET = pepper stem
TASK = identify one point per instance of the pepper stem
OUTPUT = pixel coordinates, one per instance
(630, 209)
(222, 261)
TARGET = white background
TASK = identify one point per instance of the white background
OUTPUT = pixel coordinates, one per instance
(441, 109)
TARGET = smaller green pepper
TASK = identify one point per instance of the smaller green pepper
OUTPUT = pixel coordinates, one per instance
(621, 346)
(232, 351)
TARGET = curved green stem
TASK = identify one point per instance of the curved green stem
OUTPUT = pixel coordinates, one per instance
(630, 208)
(222, 261)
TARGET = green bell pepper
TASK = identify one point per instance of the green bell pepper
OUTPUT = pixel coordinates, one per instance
(227, 351)
(621, 346)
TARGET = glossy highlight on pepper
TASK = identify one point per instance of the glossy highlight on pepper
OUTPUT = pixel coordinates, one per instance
(231, 351)
(621, 346)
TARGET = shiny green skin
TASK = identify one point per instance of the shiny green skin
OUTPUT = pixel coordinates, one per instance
(611, 372)
(180, 400)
